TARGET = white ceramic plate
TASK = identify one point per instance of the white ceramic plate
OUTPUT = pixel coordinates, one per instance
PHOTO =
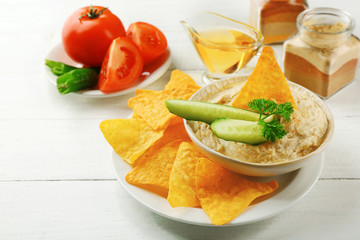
(292, 187)
(150, 74)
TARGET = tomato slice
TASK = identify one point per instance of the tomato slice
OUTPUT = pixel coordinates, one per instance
(121, 67)
(150, 40)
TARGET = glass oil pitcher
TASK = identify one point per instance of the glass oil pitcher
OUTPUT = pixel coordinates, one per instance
(224, 45)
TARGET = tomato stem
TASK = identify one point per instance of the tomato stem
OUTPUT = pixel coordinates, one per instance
(92, 14)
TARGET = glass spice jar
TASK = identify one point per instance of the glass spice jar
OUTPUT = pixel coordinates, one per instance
(323, 55)
(276, 19)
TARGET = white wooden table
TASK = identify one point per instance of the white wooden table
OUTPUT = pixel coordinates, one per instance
(56, 177)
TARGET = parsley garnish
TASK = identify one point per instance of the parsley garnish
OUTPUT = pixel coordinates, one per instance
(271, 129)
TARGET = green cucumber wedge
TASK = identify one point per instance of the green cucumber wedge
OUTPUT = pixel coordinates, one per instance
(238, 131)
(207, 112)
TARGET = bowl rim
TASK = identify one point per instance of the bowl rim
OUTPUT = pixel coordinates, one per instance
(316, 98)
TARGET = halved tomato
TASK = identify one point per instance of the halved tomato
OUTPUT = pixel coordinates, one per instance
(121, 67)
(150, 40)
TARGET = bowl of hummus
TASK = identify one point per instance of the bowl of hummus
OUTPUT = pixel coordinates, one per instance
(309, 132)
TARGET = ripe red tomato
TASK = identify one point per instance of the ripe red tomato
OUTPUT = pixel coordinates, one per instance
(121, 67)
(88, 33)
(150, 40)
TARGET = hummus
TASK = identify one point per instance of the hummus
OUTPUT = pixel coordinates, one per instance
(305, 132)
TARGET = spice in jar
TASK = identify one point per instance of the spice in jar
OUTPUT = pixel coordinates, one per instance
(276, 19)
(323, 55)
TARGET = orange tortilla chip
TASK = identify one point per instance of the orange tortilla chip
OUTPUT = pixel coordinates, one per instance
(175, 130)
(129, 137)
(180, 80)
(224, 195)
(266, 81)
(177, 120)
(150, 105)
(182, 190)
(153, 169)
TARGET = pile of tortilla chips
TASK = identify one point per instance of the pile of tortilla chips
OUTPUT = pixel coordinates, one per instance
(165, 161)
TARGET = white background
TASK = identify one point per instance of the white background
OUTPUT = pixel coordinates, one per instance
(56, 178)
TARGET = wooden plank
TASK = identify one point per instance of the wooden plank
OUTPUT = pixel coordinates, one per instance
(103, 210)
(341, 156)
(56, 149)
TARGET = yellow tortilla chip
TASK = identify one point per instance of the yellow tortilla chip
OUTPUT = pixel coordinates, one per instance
(150, 105)
(224, 195)
(182, 190)
(135, 116)
(266, 81)
(129, 137)
(175, 131)
(153, 169)
(180, 80)
(172, 133)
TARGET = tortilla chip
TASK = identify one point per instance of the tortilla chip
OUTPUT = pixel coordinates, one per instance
(177, 120)
(175, 130)
(172, 133)
(182, 190)
(266, 81)
(135, 116)
(180, 80)
(150, 105)
(129, 137)
(153, 169)
(224, 195)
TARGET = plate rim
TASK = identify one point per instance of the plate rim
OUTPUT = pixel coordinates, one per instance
(51, 78)
(242, 218)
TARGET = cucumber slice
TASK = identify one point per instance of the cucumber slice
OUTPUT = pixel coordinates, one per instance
(238, 131)
(207, 112)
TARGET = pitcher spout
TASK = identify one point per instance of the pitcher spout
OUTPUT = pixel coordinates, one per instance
(192, 33)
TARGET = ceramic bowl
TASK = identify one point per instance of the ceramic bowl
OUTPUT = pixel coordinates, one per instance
(257, 169)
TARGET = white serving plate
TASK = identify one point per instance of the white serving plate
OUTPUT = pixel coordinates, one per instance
(292, 187)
